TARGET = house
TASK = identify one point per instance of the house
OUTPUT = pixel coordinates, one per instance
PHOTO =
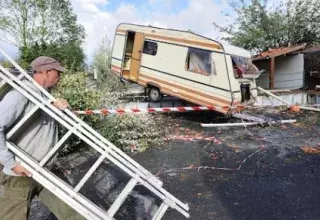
(294, 67)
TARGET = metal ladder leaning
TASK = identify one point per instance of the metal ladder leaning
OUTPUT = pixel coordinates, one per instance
(107, 150)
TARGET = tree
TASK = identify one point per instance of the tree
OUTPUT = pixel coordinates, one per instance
(16, 21)
(70, 54)
(102, 63)
(39, 27)
(258, 26)
(102, 59)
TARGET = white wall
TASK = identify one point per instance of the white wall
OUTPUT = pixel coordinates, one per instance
(288, 72)
(300, 99)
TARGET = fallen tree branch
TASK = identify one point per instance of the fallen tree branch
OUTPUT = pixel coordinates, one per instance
(212, 168)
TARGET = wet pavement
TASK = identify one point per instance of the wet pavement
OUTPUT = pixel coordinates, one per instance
(226, 173)
(277, 181)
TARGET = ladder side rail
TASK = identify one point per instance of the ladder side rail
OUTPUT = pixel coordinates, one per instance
(72, 115)
(158, 192)
(20, 76)
(21, 122)
(54, 183)
(54, 150)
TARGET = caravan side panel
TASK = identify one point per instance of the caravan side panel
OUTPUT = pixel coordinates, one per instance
(167, 70)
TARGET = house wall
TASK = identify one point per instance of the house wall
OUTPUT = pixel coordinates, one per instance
(293, 99)
(289, 72)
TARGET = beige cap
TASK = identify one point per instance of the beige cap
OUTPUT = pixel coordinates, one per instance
(44, 63)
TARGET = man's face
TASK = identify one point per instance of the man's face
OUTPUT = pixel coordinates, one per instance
(52, 78)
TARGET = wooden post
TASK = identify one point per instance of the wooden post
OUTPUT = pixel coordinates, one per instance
(271, 72)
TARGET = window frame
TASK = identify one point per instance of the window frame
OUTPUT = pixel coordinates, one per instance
(153, 42)
(187, 62)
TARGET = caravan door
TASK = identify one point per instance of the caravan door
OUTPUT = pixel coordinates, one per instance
(136, 56)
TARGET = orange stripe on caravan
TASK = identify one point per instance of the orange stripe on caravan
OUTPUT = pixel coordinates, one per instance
(116, 67)
(179, 40)
(190, 98)
(224, 101)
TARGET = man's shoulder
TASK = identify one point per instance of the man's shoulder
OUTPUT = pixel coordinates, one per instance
(15, 96)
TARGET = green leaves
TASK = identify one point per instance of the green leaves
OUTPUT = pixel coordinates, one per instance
(39, 27)
(125, 131)
(259, 26)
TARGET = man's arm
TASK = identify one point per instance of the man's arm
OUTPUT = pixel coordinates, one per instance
(11, 108)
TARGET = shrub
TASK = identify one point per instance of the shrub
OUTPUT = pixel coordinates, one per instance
(125, 131)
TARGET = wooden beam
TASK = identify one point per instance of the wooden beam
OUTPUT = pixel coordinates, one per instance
(271, 71)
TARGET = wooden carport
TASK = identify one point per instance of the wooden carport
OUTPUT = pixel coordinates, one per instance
(271, 55)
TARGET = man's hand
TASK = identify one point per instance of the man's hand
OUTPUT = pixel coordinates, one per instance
(21, 171)
(61, 104)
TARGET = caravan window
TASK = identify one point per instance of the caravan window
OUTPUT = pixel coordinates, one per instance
(200, 61)
(243, 66)
(150, 48)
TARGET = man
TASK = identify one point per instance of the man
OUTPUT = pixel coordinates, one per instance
(36, 139)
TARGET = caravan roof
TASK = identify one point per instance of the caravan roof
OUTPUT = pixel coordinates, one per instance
(180, 37)
(236, 51)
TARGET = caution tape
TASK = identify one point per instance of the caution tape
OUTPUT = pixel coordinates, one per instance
(154, 110)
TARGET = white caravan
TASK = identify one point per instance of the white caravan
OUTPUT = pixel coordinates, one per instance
(185, 65)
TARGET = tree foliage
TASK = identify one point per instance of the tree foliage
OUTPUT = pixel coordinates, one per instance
(259, 26)
(43, 27)
(125, 131)
(101, 65)
(70, 54)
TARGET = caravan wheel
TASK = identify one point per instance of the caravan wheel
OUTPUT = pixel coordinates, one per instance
(154, 94)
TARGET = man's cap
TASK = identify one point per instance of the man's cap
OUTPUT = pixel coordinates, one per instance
(44, 63)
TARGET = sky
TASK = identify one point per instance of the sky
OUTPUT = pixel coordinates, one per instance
(101, 17)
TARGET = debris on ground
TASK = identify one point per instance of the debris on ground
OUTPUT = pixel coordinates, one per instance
(311, 150)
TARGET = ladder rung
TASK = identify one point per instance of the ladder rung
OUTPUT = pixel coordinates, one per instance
(3, 83)
(89, 173)
(122, 197)
(161, 211)
(57, 184)
(21, 122)
(55, 148)
(69, 200)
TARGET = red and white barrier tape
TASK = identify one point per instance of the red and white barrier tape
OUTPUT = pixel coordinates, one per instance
(152, 110)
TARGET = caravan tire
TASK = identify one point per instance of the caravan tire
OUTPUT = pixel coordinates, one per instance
(154, 94)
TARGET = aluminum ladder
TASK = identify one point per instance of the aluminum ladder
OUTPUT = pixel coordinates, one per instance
(107, 150)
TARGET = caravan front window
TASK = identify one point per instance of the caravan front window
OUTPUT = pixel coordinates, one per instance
(199, 61)
(243, 67)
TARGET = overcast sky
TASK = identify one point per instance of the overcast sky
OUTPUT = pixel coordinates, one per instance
(101, 17)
